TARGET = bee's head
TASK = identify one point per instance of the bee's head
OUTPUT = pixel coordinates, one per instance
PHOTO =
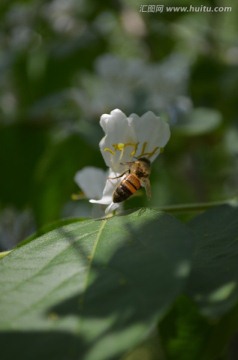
(144, 159)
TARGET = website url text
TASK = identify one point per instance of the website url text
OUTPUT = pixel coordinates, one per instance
(185, 9)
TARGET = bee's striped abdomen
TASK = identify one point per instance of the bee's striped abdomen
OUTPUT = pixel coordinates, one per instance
(126, 188)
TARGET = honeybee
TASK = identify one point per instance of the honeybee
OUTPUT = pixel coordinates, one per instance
(138, 175)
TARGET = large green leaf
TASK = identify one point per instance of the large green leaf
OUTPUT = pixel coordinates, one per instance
(91, 289)
(214, 277)
(184, 332)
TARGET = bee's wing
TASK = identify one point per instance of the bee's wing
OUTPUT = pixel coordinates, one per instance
(117, 177)
(146, 184)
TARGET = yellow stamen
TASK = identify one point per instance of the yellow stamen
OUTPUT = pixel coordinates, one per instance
(144, 147)
(121, 147)
(135, 149)
(153, 152)
(109, 150)
(147, 154)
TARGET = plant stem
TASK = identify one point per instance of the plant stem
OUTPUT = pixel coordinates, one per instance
(197, 207)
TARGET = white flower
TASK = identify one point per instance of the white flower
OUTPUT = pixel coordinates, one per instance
(125, 140)
(130, 138)
(109, 188)
(92, 181)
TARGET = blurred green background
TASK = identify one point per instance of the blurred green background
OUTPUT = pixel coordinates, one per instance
(66, 62)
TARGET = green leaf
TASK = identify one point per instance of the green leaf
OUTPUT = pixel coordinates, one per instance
(187, 335)
(92, 289)
(200, 121)
(214, 275)
(184, 332)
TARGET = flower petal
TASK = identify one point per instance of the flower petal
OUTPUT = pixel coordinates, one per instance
(112, 207)
(118, 133)
(152, 134)
(109, 189)
(92, 181)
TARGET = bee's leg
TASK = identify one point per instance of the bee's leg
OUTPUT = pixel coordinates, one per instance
(117, 177)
